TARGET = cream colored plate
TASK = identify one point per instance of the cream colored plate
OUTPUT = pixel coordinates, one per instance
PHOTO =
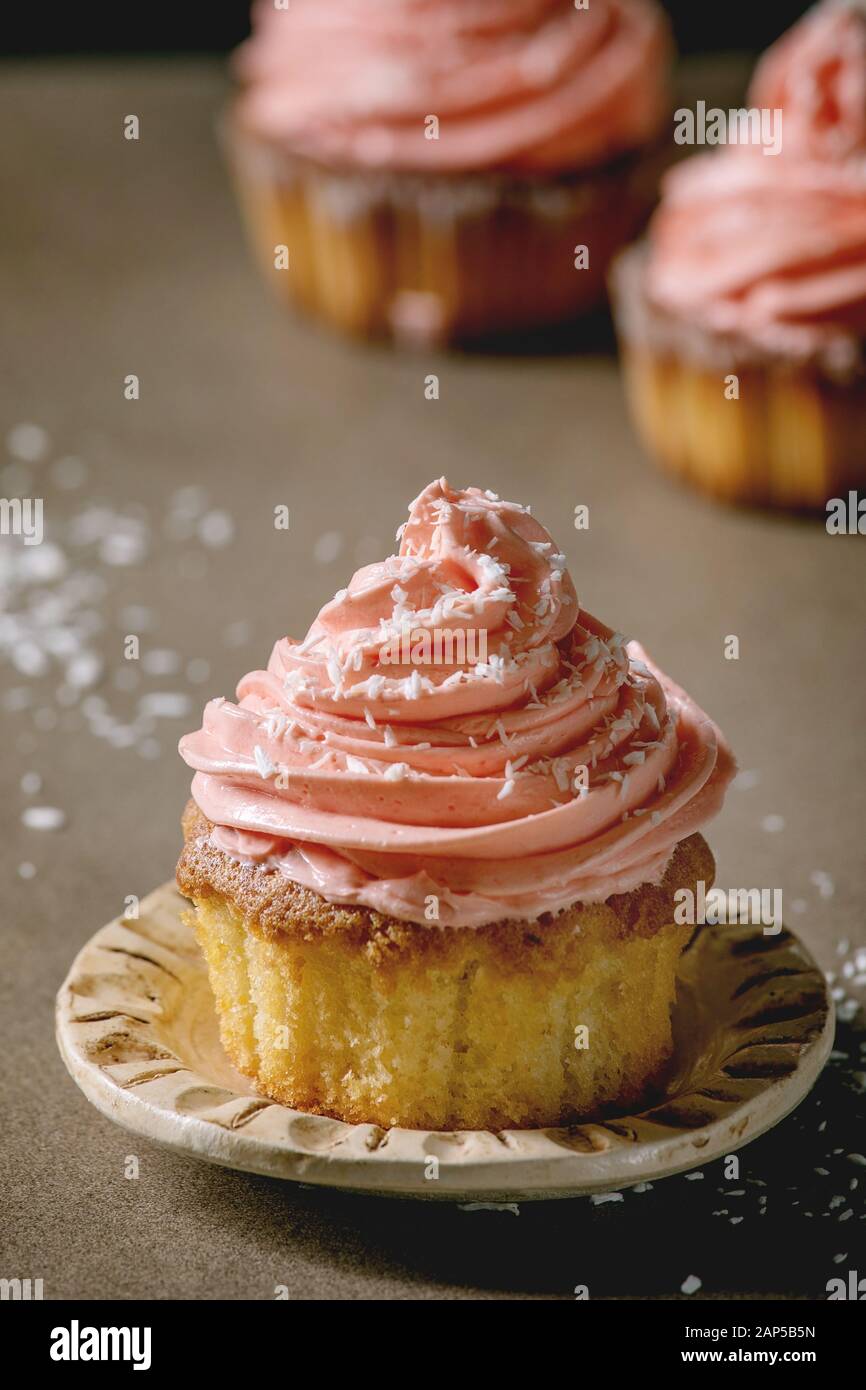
(136, 1027)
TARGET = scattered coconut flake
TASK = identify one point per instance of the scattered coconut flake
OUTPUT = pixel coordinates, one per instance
(746, 780)
(265, 767)
(84, 670)
(216, 529)
(327, 547)
(189, 501)
(125, 545)
(43, 817)
(560, 769)
(164, 704)
(30, 659)
(823, 882)
(160, 661)
(27, 442)
(68, 473)
(197, 670)
(275, 723)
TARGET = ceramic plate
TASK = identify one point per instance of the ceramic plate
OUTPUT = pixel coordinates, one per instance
(753, 1026)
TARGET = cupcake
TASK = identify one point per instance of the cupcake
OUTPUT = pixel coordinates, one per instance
(433, 849)
(447, 169)
(742, 319)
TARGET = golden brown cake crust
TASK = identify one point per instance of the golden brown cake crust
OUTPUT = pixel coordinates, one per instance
(274, 905)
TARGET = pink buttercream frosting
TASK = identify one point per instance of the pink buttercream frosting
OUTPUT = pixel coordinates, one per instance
(524, 85)
(544, 762)
(773, 247)
(816, 74)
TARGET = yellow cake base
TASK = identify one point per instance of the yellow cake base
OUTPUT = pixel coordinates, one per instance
(736, 421)
(790, 438)
(475, 1030)
(435, 259)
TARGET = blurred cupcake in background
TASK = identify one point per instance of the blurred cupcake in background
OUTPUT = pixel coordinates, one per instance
(432, 167)
(742, 318)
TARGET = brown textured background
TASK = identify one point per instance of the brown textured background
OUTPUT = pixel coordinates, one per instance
(125, 257)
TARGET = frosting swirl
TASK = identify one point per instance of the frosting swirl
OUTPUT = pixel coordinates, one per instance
(546, 764)
(524, 85)
(773, 249)
(816, 75)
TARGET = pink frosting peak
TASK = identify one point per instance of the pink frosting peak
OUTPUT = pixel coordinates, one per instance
(773, 247)
(455, 729)
(816, 75)
(514, 84)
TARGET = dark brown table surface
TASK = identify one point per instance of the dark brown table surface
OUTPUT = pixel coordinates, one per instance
(122, 257)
